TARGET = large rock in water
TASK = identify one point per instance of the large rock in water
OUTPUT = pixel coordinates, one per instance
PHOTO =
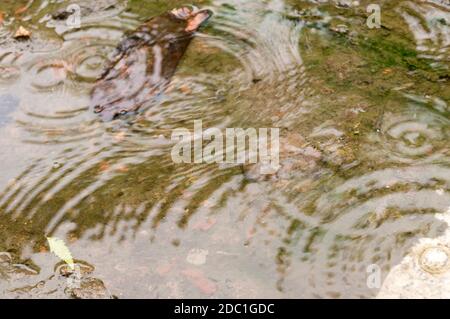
(145, 61)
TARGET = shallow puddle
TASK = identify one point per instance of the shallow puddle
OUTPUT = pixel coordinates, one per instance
(364, 128)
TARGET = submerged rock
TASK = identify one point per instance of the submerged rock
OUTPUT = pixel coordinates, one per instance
(18, 280)
(10, 270)
(81, 284)
(90, 288)
(296, 157)
(145, 61)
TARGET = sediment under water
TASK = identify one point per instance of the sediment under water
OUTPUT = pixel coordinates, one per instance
(364, 126)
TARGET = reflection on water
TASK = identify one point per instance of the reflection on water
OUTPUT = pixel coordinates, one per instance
(428, 23)
(415, 134)
(364, 155)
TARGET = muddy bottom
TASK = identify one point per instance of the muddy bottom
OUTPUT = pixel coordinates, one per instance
(358, 207)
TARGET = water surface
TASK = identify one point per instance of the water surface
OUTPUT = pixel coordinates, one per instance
(364, 127)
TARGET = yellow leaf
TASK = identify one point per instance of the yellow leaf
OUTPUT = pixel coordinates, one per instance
(59, 248)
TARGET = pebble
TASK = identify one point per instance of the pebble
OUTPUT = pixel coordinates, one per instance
(197, 257)
(91, 288)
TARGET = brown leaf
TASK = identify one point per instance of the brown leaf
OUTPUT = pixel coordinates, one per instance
(21, 10)
(2, 18)
(185, 89)
(104, 166)
(43, 249)
(164, 269)
(199, 280)
(387, 71)
(205, 225)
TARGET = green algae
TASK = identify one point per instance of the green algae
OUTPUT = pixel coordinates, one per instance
(364, 70)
